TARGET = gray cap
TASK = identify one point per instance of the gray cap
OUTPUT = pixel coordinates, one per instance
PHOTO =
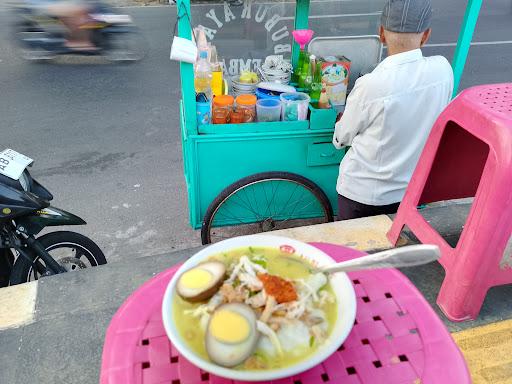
(407, 16)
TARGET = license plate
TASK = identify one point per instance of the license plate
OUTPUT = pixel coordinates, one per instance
(12, 163)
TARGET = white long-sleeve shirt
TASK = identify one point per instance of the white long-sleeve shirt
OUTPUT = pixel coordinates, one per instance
(387, 119)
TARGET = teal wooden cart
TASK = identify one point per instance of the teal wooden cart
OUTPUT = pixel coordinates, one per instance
(249, 178)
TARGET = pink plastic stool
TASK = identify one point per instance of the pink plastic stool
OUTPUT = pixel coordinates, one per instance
(468, 153)
(397, 339)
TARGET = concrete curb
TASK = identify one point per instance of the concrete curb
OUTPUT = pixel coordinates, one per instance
(18, 305)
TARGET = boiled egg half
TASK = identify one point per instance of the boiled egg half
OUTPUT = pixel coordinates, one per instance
(231, 335)
(201, 282)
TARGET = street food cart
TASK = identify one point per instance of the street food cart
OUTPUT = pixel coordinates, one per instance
(254, 177)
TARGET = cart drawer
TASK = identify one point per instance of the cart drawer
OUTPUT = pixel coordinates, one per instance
(323, 154)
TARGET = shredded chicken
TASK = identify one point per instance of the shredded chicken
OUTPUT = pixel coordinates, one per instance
(269, 308)
(233, 295)
(197, 312)
(315, 316)
(214, 302)
(325, 297)
(296, 309)
(250, 281)
(255, 362)
(245, 265)
(276, 322)
(318, 332)
(257, 301)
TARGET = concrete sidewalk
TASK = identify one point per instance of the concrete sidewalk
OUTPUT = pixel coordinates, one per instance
(54, 329)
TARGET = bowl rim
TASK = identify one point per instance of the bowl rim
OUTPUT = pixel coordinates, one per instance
(340, 332)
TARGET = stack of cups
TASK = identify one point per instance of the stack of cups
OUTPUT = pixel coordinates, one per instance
(268, 110)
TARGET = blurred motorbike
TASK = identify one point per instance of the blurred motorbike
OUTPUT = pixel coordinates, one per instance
(43, 37)
(24, 212)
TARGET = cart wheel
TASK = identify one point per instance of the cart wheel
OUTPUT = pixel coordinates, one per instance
(265, 202)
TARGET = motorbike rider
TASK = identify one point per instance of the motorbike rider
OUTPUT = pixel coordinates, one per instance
(74, 14)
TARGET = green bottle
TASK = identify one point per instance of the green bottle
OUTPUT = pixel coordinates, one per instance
(316, 85)
(298, 69)
(308, 79)
(304, 72)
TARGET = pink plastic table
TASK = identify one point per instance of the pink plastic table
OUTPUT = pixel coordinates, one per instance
(397, 338)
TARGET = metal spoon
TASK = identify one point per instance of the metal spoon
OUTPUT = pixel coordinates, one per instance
(409, 256)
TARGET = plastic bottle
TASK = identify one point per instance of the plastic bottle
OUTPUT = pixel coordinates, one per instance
(217, 80)
(202, 43)
(323, 102)
(203, 75)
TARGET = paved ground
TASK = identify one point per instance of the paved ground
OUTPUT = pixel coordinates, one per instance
(106, 138)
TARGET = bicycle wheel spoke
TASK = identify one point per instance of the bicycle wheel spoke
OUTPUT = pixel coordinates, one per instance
(296, 202)
(256, 201)
(230, 217)
(249, 202)
(247, 207)
(274, 196)
(306, 206)
(266, 198)
(295, 205)
(288, 201)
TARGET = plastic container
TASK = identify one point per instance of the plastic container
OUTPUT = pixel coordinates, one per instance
(268, 110)
(222, 108)
(294, 106)
(203, 111)
(264, 94)
(247, 102)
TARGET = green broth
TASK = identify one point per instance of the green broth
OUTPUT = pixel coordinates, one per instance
(277, 263)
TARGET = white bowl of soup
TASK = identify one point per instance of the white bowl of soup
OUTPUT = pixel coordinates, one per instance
(253, 308)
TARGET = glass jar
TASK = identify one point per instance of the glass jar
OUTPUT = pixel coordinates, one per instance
(247, 105)
(222, 108)
(237, 117)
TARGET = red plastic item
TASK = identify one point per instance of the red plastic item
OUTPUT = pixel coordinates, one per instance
(468, 153)
(397, 338)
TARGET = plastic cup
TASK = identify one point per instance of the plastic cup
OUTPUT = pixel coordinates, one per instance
(295, 106)
(268, 110)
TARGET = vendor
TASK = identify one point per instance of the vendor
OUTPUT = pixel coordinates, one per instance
(389, 114)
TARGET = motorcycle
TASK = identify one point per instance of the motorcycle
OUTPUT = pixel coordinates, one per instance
(43, 37)
(24, 212)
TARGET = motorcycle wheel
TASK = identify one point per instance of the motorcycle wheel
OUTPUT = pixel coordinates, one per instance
(34, 54)
(70, 249)
(126, 47)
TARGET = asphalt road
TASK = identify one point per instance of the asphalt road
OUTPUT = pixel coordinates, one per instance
(106, 137)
